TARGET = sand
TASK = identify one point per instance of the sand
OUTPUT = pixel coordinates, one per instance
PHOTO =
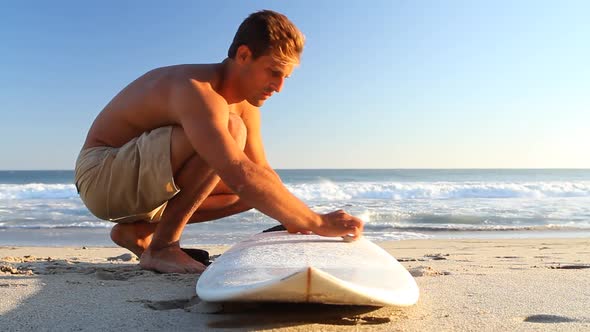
(466, 285)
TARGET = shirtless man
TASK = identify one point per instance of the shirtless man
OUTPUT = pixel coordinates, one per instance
(182, 144)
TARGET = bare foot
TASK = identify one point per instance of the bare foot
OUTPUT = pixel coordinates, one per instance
(170, 259)
(136, 236)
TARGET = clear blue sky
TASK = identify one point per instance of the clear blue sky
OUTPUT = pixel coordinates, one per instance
(382, 84)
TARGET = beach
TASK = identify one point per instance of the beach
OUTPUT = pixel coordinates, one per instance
(538, 284)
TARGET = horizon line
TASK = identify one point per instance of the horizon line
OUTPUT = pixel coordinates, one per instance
(357, 169)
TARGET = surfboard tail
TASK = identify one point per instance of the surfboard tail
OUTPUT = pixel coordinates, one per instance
(312, 285)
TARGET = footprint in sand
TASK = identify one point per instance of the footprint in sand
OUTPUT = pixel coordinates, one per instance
(427, 257)
(549, 319)
(123, 258)
(107, 275)
(426, 271)
(436, 257)
(13, 285)
(184, 304)
(120, 274)
(571, 267)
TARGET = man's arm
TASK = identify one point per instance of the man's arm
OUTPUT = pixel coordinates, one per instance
(204, 115)
(254, 147)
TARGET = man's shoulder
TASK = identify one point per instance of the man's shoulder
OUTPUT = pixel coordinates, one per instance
(190, 93)
(199, 74)
(192, 78)
(250, 114)
(189, 68)
(248, 110)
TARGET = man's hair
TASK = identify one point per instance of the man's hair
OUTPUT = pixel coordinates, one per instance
(269, 33)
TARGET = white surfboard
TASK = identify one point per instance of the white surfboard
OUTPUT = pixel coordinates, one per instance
(283, 267)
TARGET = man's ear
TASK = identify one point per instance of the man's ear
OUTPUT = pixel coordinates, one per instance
(243, 54)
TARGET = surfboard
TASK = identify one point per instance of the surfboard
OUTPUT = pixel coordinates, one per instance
(283, 267)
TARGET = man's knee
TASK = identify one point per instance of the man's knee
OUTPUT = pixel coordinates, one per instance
(237, 129)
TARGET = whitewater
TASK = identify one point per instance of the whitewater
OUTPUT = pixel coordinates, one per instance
(44, 206)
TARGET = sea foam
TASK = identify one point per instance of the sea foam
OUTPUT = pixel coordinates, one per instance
(331, 191)
(438, 190)
(37, 191)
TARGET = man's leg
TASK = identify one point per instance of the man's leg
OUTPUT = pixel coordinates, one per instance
(137, 236)
(194, 203)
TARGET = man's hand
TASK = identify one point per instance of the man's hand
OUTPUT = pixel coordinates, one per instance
(340, 223)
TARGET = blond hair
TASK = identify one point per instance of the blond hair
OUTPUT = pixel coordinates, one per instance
(269, 33)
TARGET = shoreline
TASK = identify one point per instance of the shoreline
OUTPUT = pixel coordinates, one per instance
(99, 237)
(465, 284)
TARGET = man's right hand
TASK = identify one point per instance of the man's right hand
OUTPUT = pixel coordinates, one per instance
(340, 223)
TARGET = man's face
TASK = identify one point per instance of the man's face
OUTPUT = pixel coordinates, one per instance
(262, 77)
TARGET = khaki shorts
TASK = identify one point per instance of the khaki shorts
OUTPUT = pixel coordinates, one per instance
(130, 183)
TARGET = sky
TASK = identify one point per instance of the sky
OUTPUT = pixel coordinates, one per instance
(382, 84)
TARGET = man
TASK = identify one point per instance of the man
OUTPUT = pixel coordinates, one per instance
(182, 144)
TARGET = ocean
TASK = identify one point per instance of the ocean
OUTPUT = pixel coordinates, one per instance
(43, 208)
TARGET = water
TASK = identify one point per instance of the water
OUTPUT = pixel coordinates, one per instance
(43, 207)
